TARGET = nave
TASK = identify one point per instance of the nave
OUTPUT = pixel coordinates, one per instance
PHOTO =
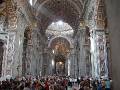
(60, 40)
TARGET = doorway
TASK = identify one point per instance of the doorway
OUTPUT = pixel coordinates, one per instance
(60, 68)
(60, 65)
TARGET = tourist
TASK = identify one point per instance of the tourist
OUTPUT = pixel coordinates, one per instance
(47, 84)
(27, 86)
(94, 84)
(107, 84)
(99, 85)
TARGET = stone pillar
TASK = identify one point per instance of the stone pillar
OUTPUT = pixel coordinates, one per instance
(81, 53)
(4, 38)
(99, 54)
(41, 62)
(10, 53)
(69, 65)
(94, 60)
(72, 65)
(66, 66)
(97, 26)
(113, 15)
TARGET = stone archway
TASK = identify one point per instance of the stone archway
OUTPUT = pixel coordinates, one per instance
(60, 47)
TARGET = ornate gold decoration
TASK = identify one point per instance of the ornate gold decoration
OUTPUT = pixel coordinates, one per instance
(61, 48)
(2, 9)
(11, 14)
(100, 17)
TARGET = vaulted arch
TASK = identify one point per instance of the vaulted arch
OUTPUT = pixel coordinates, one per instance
(60, 45)
(47, 11)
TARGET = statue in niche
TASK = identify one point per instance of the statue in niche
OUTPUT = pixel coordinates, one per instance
(29, 36)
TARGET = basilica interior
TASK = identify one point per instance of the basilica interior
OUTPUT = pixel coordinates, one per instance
(60, 37)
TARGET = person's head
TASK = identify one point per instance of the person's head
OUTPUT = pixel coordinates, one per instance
(27, 84)
(81, 77)
(46, 79)
(110, 78)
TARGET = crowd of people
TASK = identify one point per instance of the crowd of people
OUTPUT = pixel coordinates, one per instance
(95, 84)
(55, 83)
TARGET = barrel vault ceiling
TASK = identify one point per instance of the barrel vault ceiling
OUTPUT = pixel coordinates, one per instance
(47, 11)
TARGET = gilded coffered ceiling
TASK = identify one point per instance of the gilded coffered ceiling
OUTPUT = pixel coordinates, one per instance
(48, 11)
